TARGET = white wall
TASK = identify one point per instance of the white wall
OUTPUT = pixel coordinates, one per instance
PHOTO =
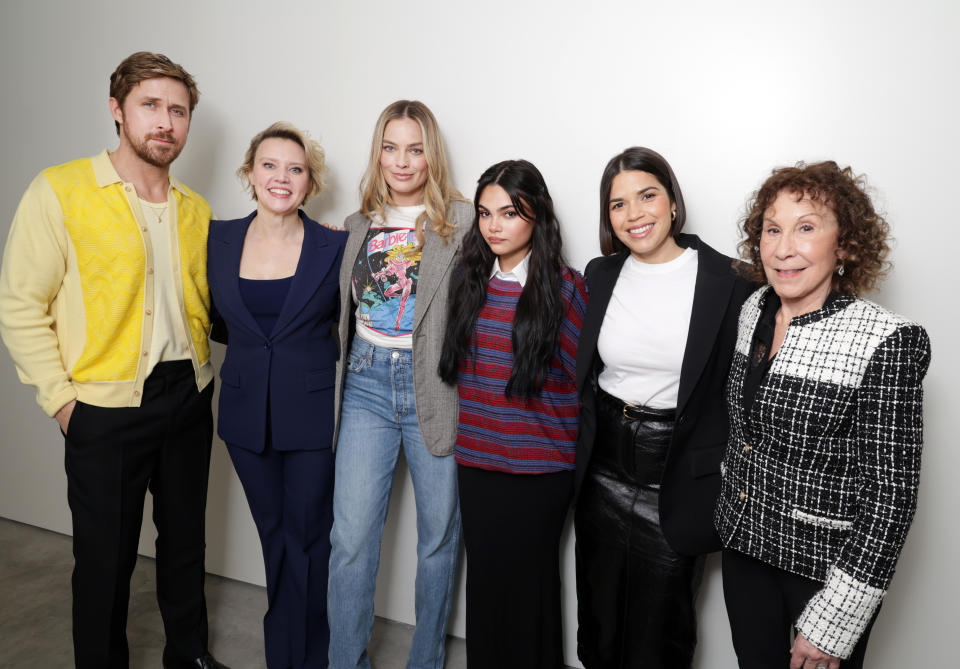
(725, 91)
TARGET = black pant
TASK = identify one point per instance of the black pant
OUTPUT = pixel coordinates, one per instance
(511, 529)
(112, 456)
(763, 602)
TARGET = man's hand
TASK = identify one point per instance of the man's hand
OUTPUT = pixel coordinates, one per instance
(804, 655)
(63, 416)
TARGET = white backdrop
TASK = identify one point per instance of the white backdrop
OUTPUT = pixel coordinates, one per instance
(725, 91)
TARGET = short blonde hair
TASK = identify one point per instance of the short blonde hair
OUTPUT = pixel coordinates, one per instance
(283, 130)
(438, 190)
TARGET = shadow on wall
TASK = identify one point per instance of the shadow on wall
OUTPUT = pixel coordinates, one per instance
(200, 167)
(321, 207)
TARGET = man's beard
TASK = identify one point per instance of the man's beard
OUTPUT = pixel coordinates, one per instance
(150, 154)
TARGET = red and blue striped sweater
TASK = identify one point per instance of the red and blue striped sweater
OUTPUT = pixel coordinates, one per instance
(514, 434)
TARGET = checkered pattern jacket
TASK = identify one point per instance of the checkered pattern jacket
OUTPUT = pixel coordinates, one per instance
(820, 478)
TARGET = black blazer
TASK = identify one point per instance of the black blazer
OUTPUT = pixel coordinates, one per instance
(296, 362)
(691, 479)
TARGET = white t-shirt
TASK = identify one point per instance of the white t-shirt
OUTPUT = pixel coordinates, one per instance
(644, 331)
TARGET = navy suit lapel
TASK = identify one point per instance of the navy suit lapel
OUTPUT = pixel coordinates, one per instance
(711, 296)
(316, 259)
(228, 274)
(601, 281)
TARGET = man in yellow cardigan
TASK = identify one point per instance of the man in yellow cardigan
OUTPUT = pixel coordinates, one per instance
(104, 307)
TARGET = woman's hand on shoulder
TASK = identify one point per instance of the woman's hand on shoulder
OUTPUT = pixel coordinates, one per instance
(804, 655)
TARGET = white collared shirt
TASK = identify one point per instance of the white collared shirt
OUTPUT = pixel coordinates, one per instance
(518, 273)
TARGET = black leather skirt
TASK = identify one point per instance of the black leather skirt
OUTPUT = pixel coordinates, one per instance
(636, 595)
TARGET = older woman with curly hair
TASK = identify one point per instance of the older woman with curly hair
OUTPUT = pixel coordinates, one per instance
(824, 397)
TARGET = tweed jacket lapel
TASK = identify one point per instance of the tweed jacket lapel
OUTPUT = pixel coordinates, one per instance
(357, 225)
(434, 264)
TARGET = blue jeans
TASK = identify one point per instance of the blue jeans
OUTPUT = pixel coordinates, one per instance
(379, 416)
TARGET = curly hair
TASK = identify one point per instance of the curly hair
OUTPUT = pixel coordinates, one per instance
(863, 233)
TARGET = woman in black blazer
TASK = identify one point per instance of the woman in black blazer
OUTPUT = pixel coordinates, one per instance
(654, 352)
(273, 280)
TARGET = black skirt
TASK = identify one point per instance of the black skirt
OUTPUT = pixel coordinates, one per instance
(511, 529)
(636, 595)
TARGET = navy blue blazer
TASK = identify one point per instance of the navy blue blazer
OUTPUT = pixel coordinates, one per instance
(296, 363)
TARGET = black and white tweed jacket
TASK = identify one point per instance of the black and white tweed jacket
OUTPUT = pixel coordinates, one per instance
(821, 478)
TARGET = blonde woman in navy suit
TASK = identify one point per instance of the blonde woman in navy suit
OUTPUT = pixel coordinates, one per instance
(273, 280)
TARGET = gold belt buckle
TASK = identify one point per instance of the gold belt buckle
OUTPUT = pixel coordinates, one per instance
(627, 407)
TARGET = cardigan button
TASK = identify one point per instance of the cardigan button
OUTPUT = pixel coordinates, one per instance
(746, 448)
(742, 496)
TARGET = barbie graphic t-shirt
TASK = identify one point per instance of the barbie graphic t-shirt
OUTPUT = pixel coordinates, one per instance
(385, 279)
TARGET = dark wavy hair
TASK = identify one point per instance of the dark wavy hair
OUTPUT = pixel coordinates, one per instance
(536, 324)
(863, 233)
(640, 159)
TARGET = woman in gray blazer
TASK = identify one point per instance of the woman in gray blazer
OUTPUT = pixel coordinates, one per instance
(393, 288)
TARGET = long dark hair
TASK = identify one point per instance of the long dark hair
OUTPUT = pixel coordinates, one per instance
(640, 159)
(536, 324)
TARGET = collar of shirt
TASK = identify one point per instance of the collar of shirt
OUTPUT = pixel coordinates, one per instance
(105, 173)
(518, 273)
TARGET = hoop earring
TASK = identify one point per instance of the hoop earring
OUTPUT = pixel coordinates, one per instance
(840, 270)
(673, 215)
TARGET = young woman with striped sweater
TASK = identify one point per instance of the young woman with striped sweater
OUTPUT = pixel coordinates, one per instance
(510, 346)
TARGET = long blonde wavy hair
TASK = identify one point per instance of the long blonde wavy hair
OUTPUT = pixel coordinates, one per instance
(438, 191)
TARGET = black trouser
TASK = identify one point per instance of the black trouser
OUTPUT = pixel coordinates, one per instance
(511, 529)
(113, 455)
(636, 596)
(763, 602)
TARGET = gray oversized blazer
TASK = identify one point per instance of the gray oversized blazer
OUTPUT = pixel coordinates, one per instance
(437, 402)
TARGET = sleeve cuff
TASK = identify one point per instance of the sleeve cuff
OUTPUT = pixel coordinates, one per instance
(836, 617)
(52, 405)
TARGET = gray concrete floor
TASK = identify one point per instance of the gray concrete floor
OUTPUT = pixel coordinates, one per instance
(35, 625)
